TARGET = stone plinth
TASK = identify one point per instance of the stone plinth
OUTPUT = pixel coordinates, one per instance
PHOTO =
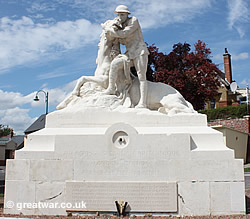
(177, 164)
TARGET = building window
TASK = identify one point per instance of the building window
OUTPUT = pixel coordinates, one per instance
(213, 104)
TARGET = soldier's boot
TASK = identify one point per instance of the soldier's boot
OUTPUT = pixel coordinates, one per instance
(111, 90)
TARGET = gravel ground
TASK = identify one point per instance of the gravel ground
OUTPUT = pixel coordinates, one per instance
(135, 217)
(113, 217)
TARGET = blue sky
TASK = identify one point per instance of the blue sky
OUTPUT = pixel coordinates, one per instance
(48, 44)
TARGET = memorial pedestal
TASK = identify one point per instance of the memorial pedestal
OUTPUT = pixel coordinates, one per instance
(157, 163)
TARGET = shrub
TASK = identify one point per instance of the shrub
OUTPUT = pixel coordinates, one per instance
(225, 112)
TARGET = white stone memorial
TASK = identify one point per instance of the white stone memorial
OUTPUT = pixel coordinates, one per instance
(120, 138)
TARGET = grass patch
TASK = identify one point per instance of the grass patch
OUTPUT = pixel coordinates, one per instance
(247, 169)
(1, 195)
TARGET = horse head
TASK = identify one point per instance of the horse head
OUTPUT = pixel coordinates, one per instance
(105, 45)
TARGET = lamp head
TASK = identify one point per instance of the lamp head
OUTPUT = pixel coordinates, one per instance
(36, 98)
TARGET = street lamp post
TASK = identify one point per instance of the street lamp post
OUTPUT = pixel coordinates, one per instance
(46, 99)
(247, 99)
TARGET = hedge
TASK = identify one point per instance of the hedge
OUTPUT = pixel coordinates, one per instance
(225, 112)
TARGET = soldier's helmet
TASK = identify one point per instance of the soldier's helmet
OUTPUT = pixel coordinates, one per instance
(122, 9)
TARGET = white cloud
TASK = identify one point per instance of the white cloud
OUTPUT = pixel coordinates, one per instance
(12, 99)
(12, 110)
(5, 86)
(44, 85)
(51, 75)
(24, 41)
(241, 56)
(159, 13)
(217, 57)
(151, 13)
(16, 118)
(245, 82)
(59, 94)
(56, 95)
(238, 15)
(235, 57)
(41, 6)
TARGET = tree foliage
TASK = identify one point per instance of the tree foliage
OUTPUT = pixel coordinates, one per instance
(192, 73)
(5, 130)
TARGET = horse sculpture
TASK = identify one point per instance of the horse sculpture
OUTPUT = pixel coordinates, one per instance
(161, 97)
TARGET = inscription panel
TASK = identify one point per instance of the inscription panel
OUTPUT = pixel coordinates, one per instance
(141, 196)
(121, 154)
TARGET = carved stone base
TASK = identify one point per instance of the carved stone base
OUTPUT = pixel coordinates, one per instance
(157, 163)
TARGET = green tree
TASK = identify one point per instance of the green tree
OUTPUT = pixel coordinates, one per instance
(5, 130)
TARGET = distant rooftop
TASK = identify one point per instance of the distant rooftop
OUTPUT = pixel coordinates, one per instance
(37, 125)
(19, 139)
(4, 140)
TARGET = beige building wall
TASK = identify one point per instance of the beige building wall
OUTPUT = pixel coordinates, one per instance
(11, 146)
(235, 140)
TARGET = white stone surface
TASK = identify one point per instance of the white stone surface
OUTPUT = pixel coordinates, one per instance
(55, 194)
(17, 170)
(224, 196)
(51, 170)
(139, 150)
(17, 193)
(194, 198)
(237, 197)
(41, 143)
(83, 117)
(215, 198)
